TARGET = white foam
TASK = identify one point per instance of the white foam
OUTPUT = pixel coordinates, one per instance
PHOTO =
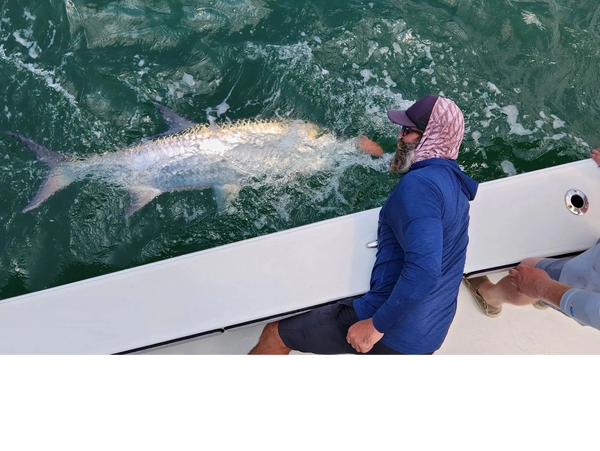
(493, 88)
(427, 49)
(28, 15)
(476, 136)
(389, 82)
(34, 49)
(516, 128)
(367, 75)
(581, 142)
(222, 108)
(188, 79)
(53, 34)
(209, 117)
(488, 109)
(273, 97)
(531, 19)
(557, 137)
(47, 76)
(557, 122)
(174, 90)
(508, 168)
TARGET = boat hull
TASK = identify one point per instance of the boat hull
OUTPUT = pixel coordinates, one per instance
(171, 304)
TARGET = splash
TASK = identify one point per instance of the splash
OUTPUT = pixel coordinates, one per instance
(531, 19)
(48, 77)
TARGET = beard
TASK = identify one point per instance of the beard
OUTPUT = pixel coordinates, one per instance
(404, 156)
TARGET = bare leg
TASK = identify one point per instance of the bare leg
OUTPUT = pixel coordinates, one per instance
(270, 343)
(504, 292)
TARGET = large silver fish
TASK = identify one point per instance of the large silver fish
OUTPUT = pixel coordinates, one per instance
(191, 156)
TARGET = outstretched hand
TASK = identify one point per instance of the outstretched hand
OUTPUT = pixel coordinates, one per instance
(362, 335)
(596, 155)
(529, 281)
(369, 146)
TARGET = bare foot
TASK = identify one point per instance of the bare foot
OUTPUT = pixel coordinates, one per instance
(596, 155)
(372, 148)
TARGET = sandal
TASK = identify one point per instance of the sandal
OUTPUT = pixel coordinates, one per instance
(473, 285)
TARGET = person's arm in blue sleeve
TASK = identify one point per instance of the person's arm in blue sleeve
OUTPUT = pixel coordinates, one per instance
(416, 219)
(582, 305)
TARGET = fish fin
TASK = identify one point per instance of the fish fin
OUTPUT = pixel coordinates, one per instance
(43, 154)
(226, 194)
(140, 196)
(55, 181)
(175, 122)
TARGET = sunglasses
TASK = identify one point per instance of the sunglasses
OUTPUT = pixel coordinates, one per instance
(404, 130)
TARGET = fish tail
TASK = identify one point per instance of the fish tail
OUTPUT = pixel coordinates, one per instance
(43, 154)
(56, 180)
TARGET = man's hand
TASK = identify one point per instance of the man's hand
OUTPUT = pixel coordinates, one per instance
(529, 281)
(537, 284)
(362, 336)
(370, 147)
(596, 155)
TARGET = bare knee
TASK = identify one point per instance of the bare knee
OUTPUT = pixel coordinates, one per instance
(270, 341)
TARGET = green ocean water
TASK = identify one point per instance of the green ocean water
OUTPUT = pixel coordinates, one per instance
(81, 77)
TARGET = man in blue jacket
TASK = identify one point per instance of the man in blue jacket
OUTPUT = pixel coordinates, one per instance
(422, 243)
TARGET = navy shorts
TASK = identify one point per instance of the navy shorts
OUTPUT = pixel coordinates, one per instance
(324, 329)
(553, 266)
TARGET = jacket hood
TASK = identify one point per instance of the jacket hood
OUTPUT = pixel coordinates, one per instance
(444, 132)
(468, 185)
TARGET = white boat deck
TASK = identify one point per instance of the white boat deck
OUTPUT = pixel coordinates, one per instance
(518, 330)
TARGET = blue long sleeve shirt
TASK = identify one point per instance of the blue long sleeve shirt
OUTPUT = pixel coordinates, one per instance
(422, 242)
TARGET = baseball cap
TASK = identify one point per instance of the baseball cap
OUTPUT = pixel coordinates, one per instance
(417, 115)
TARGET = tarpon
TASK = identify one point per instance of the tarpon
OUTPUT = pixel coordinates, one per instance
(191, 156)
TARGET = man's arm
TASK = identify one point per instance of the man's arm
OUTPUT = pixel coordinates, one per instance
(595, 155)
(415, 216)
(537, 284)
(582, 305)
(369, 146)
